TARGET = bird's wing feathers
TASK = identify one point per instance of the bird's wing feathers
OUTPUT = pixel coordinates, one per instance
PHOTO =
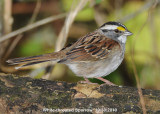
(91, 47)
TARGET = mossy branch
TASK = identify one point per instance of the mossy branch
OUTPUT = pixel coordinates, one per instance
(27, 95)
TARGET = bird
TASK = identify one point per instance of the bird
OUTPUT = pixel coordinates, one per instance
(95, 55)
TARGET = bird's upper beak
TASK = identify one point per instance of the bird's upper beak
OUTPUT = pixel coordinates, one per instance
(127, 33)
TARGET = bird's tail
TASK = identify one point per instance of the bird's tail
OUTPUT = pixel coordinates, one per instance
(27, 61)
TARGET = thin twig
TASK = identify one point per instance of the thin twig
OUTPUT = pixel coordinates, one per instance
(62, 38)
(8, 16)
(12, 46)
(18, 38)
(32, 26)
(135, 70)
(153, 28)
(7, 26)
(139, 11)
(147, 6)
(1, 19)
(137, 77)
(35, 12)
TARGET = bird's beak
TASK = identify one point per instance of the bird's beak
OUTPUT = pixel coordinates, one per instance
(127, 33)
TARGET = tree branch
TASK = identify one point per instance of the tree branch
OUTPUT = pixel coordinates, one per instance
(31, 26)
(27, 95)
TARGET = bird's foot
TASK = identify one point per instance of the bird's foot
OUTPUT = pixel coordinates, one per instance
(86, 81)
(106, 81)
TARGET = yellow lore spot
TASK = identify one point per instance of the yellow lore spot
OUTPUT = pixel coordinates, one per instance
(121, 28)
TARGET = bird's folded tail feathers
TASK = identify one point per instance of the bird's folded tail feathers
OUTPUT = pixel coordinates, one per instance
(27, 61)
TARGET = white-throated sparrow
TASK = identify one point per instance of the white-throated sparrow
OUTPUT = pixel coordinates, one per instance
(94, 55)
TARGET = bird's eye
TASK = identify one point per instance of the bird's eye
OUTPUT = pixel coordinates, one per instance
(116, 31)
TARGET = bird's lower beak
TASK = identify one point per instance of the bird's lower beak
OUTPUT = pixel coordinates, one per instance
(127, 33)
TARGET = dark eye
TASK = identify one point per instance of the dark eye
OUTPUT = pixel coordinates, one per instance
(116, 31)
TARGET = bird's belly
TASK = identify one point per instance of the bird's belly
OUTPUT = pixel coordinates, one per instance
(96, 68)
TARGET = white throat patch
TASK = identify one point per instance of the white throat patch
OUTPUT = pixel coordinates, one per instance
(122, 39)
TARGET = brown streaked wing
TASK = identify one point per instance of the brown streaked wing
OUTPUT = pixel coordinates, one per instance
(91, 48)
(104, 46)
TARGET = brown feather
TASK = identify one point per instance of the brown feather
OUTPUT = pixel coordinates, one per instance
(91, 48)
(27, 61)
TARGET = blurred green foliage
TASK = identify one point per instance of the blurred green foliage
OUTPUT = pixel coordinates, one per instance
(86, 14)
(38, 42)
(98, 1)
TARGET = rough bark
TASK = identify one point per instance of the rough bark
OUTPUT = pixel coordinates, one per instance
(27, 95)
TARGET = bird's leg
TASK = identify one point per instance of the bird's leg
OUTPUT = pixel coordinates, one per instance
(106, 81)
(87, 81)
